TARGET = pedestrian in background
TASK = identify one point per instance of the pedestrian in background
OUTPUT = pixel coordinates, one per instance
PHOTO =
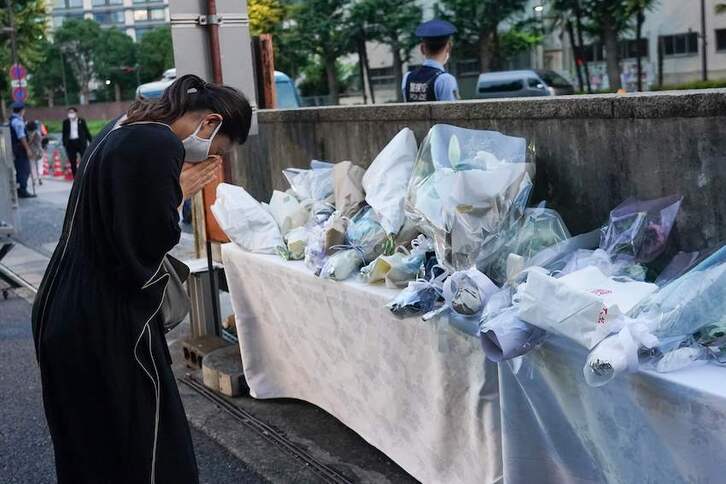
(76, 138)
(35, 141)
(431, 82)
(21, 149)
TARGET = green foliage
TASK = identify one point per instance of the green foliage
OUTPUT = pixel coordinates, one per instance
(265, 15)
(155, 54)
(78, 40)
(478, 22)
(390, 22)
(30, 23)
(114, 58)
(47, 78)
(521, 37)
(692, 85)
(720, 8)
(314, 82)
(320, 27)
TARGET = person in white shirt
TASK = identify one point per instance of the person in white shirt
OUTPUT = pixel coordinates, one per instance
(76, 138)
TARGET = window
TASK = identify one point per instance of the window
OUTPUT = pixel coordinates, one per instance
(147, 1)
(629, 48)
(68, 3)
(141, 31)
(680, 44)
(535, 83)
(58, 20)
(101, 3)
(721, 39)
(554, 80)
(153, 14)
(505, 85)
(109, 18)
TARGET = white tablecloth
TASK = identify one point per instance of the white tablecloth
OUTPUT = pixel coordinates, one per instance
(640, 428)
(420, 392)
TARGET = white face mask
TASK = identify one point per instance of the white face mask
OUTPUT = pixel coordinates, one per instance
(196, 149)
(72, 116)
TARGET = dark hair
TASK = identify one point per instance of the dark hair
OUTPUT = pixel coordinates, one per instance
(19, 108)
(190, 93)
(434, 45)
(72, 108)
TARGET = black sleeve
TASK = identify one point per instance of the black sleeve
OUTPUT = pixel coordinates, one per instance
(66, 128)
(142, 176)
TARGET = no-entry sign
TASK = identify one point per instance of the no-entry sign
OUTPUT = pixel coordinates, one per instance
(20, 94)
(17, 72)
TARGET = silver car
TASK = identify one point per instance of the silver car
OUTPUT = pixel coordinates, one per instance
(524, 83)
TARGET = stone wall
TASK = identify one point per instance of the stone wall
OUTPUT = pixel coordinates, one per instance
(592, 151)
(104, 111)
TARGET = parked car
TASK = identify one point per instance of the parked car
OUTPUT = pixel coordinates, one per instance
(287, 95)
(524, 83)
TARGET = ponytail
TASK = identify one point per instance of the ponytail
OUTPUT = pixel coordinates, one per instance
(191, 93)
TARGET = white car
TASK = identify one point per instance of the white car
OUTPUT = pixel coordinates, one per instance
(154, 90)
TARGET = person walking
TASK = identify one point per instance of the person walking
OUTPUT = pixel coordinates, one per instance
(21, 149)
(110, 397)
(431, 81)
(76, 137)
(35, 141)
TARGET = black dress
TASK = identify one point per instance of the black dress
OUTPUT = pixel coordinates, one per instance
(113, 408)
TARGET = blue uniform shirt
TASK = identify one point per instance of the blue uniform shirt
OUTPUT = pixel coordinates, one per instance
(18, 125)
(445, 87)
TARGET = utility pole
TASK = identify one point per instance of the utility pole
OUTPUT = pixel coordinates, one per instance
(704, 42)
(13, 40)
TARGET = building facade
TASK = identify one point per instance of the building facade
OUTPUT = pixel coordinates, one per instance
(671, 50)
(135, 17)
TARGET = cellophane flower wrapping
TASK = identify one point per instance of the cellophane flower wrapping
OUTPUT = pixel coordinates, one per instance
(468, 186)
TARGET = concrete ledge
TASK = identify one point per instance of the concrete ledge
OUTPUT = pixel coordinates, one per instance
(665, 104)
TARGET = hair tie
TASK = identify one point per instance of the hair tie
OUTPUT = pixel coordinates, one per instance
(192, 90)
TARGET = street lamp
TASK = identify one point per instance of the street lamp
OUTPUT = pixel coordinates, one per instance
(108, 82)
(539, 8)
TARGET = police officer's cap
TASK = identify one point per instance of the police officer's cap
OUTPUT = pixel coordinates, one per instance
(17, 106)
(435, 28)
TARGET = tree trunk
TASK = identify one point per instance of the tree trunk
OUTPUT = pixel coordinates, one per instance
(486, 54)
(117, 91)
(578, 55)
(361, 67)
(367, 66)
(51, 100)
(332, 80)
(611, 51)
(581, 45)
(397, 70)
(638, 35)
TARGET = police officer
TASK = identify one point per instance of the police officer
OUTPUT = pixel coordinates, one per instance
(431, 82)
(21, 149)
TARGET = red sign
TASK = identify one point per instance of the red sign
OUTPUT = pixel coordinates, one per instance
(17, 72)
(20, 94)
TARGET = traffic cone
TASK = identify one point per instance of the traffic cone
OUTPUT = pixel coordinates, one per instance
(69, 174)
(57, 166)
(46, 168)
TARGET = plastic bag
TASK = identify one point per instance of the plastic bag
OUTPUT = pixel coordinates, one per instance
(287, 211)
(584, 306)
(538, 229)
(348, 188)
(315, 254)
(555, 258)
(466, 187)
(334, 229)
(398, 269)
(619, 267)
(314, 184)
(387, 177)
(681, 263)
(639, 229)
(366, 235)
(341, 265)
(245, 220)
(297, 240)
(420, 296)
(505, 336)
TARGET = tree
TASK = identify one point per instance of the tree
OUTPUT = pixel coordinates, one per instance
(569, 14)
(390, 22)
(607, 19)
(29, 18)
(53, 76)
(637, 9)
(265, 16)
(320, 27)
(478, 22)
(720, 8)
(155, 54)
(77, 39)
(114, 59)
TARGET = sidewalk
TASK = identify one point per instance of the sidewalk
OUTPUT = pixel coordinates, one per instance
(307, 441)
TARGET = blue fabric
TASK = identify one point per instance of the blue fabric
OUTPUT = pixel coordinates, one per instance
(22, 172)
(435, 28)
(445, 88)
(17, 132)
